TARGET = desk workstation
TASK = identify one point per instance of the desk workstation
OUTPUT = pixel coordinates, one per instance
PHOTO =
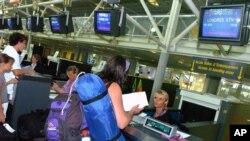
(31, 94)
(137, 132)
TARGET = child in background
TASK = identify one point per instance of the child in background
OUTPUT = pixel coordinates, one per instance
(6, 63)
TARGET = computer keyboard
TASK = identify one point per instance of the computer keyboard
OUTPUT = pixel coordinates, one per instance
(139, 119)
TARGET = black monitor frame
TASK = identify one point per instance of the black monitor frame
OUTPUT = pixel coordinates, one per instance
(13, 24)
(3, 23)
(243, 31)
(34, 23)
(65, 23)
(115, 17)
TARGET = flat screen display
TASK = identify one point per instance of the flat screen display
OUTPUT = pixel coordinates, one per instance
(188, 109)
(13, 24)
(10, 24)
(55, 24)
(28, 23)
(158, 126)
(103, 21)
(223, 23)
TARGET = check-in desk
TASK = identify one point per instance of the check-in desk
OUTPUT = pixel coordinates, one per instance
(139, 133)
(32, 93)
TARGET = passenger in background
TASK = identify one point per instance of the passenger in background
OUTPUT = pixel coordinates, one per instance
(114, 76)
(17, 43)
(72, 72)
(6, 63)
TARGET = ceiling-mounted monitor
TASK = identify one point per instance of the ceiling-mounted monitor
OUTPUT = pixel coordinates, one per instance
(34, 24)
(3, 24)
(14, 23)
(61, 24)
(224, 24)
(110, 22)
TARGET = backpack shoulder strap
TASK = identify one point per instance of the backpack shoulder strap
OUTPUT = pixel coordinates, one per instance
(95, 98)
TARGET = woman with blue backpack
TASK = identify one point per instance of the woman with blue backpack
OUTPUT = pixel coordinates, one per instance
(101, 96)
(114, 74)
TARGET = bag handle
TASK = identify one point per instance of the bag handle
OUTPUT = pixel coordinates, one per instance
(70, 92)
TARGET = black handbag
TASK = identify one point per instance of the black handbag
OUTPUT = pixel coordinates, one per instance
(5, 135)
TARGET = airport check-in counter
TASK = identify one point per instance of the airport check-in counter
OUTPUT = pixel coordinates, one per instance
(139, 133)
(32, 93)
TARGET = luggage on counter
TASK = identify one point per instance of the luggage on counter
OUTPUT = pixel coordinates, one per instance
(65, 119)
(31, 125)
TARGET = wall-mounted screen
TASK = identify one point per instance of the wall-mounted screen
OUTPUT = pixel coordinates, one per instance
(103, 21)
(224, 24)
(14, 24)
(28, 23)
(55, 24)
(58, 24)
(110, 22)
(33, 24)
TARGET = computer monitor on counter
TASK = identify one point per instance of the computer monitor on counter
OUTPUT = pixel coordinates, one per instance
(199, 107)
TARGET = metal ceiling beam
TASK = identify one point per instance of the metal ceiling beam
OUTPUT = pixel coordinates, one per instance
(193, 7)
(44, 11)
(169, 35)
(23, 12)
(52, 8)
(39, 4)
(184, 32)
(163, 16)
(145, 31)
(158, 32)
(89, 18)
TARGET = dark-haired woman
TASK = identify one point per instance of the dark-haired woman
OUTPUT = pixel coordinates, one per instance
(114, 76)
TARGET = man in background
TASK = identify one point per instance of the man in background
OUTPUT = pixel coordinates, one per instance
(17, 43)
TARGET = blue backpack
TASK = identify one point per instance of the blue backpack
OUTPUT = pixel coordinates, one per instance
(98, 109)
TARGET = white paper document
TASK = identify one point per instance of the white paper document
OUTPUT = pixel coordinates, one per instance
(132, 99)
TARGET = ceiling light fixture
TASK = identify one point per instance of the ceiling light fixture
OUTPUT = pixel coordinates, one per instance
(153, 2)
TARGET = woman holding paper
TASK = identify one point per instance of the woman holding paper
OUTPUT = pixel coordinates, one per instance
(114, 76)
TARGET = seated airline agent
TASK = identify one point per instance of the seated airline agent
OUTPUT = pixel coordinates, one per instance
(161, 112)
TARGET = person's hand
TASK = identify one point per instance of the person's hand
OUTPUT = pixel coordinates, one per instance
(2, 117)
(31, 72)
(136, 110)
(12, 81)
(55, 86)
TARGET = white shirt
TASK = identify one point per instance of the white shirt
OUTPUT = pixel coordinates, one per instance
(9, 50)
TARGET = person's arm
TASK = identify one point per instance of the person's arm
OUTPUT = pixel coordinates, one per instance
(123, 118)
(12, 81)
(19, 72)
(57, 88)
(2, 116)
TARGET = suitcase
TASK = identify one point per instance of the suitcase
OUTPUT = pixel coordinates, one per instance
(31, 125)
(5, 135)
